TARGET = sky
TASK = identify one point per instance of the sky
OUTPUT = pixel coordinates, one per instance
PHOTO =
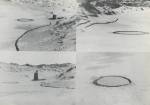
(37, 57)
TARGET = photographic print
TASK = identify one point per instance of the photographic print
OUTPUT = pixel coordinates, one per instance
(113, 78)
(74, 52)
(37, 78)
(38, 25)
(113, 25)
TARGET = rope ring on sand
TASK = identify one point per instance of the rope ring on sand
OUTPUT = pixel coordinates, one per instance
(25, 20)
(107, 22)
(130, 32)
(112, 81)
(51, 85)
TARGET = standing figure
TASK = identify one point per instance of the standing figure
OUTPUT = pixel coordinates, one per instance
(54, 16)
(36, 76)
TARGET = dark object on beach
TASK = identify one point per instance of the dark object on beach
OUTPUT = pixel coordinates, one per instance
(54, 16)
(112, 81)
(36, 76)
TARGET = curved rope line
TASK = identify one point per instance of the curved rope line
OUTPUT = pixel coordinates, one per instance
(16, 42)
(102, 23)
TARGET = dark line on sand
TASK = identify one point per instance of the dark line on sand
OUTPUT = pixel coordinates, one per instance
(16, 42)
(130, 32)
(102, 23)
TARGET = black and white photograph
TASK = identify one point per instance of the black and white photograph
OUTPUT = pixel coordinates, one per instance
(37, 78)
(38, 25)
(113, 25)
(113, 78)
(74, 52)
